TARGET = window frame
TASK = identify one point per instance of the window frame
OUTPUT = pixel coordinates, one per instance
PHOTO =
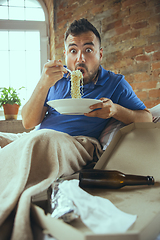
(41, 26)
(19, 25)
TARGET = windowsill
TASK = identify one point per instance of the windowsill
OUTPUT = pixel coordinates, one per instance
(2, 118)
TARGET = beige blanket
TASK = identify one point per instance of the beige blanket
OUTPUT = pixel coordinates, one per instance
(29, 164)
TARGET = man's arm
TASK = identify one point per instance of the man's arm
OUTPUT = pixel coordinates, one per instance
(34, 110)
(109, 109)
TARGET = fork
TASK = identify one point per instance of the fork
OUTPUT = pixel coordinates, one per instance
(68, 70)
(64, 67)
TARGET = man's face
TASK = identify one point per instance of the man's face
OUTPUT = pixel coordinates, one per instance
(82, 52)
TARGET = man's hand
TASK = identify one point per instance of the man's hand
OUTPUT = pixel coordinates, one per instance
(33, 111)
(105, 109)
(52, 72)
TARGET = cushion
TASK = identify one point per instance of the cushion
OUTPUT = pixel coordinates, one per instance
(114, 125)
(155, 113)
(109, 132)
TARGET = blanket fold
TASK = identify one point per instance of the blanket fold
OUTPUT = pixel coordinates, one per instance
(30, 164)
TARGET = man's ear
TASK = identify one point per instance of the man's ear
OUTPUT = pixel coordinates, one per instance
(101, 53)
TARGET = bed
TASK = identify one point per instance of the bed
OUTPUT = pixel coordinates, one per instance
(14, 129)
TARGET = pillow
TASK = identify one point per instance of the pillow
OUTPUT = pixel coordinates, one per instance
(114, 125)
(109, 132)
(155, 113)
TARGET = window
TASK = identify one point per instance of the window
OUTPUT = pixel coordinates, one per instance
(23, 44)
(21, 10)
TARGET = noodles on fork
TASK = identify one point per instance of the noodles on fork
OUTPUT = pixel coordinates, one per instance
(76, 82)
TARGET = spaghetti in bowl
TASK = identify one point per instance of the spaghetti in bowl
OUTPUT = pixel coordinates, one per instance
(73, 106)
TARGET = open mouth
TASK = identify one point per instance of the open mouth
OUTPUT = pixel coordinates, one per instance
(82, 70)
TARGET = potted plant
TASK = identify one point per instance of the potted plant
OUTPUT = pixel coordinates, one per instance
(10, 101)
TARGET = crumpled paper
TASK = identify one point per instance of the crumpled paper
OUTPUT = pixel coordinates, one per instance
(97, 213)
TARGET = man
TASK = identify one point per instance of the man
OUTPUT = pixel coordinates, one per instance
(83, 51)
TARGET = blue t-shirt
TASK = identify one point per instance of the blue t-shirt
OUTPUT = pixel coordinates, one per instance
(109, 85)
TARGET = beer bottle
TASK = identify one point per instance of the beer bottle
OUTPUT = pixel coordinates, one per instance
(96, 178)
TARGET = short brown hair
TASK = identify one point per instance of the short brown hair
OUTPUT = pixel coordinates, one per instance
(81, 26)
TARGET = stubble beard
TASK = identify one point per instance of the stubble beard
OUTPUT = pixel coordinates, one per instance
(91, 77)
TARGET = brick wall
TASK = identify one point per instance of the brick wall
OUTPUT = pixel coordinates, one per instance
(130, 31)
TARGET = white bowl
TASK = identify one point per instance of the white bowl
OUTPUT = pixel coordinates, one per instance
(73, 106)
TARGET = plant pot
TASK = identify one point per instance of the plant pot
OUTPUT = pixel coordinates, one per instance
(10, 111)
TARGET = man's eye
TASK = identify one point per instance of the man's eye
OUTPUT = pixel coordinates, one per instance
(88, 50)
(73, 51)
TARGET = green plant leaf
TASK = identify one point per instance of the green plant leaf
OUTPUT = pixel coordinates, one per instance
(10, 96)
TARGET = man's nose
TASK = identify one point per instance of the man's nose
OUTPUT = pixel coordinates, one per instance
(80, 57)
